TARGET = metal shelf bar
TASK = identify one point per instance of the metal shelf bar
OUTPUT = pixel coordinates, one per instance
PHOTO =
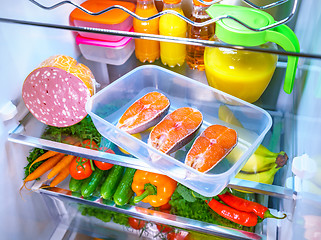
(271, 5)
(283, 21)
(197, 42)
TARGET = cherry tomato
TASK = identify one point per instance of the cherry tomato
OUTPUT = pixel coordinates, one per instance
(104, 165)
(80, 168)
(136, 223)
(164, 228)
(177, 235)
(166, 206)
(89, 144)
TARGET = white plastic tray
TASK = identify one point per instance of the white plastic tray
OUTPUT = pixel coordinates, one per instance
(109, 104)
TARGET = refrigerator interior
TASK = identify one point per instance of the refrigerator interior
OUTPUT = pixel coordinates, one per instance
(54, 214)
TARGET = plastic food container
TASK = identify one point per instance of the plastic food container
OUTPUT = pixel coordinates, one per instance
(115, 19)
(109, 104)
(115, 53)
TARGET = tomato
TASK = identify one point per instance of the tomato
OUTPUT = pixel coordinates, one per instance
(177, 235)
(164, 228)
(136, 223)
(104, 165)
(89, 144)
(166, 206)
(80, 168)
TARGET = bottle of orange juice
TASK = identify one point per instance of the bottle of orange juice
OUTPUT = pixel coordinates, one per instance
(146, 50)
(172, 54)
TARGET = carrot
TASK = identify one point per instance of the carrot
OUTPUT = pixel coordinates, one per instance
(62, 175)
(44, 156)
(44, 167)
(64, 162)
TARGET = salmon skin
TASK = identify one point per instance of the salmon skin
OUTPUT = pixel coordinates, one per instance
(211, 147)
(175, 130)
(144, 113)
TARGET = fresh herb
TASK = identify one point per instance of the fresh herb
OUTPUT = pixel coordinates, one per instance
(185, 193)
(104, 215)
(189, 195)
(84, 130)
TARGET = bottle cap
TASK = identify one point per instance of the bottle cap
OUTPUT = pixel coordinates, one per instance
(172, 1)
(198, 3)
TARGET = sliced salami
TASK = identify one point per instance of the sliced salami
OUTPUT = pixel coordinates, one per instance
(55, 97)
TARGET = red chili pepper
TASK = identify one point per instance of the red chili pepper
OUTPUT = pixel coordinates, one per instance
(234, 215)
(247, 206)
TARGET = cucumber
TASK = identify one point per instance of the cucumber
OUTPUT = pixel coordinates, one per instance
(110, 185)
(75, 185)
(124, 190)
(90, 184)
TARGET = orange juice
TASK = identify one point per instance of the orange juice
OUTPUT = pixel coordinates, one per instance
(172, 54)
(146, 50)
(243, 74)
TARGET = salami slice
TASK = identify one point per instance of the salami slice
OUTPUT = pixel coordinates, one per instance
(56, 93)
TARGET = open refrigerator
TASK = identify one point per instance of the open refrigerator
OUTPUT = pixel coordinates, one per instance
(31, 31)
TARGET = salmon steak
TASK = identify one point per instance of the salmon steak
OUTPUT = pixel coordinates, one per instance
(144, 113)
(211, 147)
(175, 130)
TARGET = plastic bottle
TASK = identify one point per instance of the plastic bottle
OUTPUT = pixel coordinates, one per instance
(195, 54)
(146, 50)
(172, 54)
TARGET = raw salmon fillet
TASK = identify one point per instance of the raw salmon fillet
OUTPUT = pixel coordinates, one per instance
(175, 130)
(144, 113)
(211, 147)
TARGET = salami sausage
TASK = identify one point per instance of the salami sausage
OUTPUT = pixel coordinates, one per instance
(56, 93)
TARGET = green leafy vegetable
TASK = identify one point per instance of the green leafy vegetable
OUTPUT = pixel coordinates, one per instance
(186, 193)
(33, 155)
(84, 130)
(104, 215)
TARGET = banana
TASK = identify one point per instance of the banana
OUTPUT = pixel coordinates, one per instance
(262, 159)
(225, 114)
(266, 177)
(263, 151)
(257, 161)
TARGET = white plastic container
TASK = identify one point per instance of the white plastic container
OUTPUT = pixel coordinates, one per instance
(115, 53)
(107, 106)
(115, 19)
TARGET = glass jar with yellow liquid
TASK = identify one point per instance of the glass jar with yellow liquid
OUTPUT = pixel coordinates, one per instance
(243, 74)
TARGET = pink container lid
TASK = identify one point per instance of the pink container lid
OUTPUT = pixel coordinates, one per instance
(101, 43)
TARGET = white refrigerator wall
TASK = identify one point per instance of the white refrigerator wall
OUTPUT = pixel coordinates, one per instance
(22, 49)
(305, 137)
